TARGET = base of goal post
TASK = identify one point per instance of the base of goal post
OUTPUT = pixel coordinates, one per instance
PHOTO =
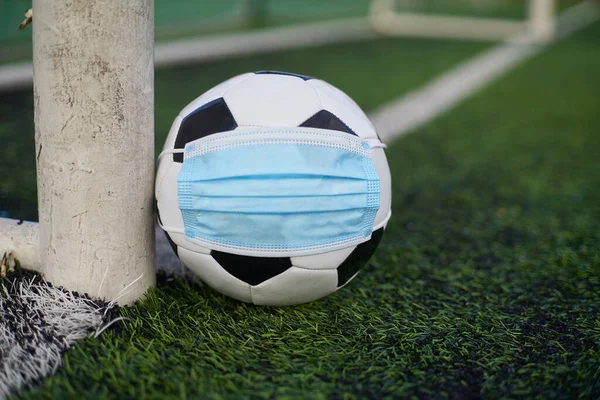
(385, 20)
(21, 238)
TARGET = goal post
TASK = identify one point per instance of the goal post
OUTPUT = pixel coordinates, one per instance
(541, 19)
(94, 134)
(539, 23)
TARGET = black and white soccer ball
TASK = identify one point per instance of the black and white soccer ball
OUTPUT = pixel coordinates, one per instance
(268, 99)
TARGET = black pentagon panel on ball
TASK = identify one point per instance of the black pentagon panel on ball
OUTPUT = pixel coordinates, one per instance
(359, 257)
(326, 120)
(252, 270)
(303, 77)
(211, 118)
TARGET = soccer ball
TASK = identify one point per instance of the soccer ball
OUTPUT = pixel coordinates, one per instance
(268, 99)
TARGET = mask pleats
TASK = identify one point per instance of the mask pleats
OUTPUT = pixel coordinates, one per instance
(267, 195)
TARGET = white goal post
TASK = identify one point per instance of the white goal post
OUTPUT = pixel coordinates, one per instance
(540, 22)
(94, 131)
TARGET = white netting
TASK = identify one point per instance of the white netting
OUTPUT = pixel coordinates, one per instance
(38, 323)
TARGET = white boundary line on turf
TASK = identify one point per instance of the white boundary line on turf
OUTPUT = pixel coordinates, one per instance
(423, 105)
(185, 51)
(16, 76)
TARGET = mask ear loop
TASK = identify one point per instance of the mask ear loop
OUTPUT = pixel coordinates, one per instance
(170, 151)
(158, 221)
(376, 144)
(379, 146)
(169, 229)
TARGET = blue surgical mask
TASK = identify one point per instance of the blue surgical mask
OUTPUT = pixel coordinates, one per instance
(278, 191)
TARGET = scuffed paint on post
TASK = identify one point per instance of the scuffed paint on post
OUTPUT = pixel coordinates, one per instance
(94, 134)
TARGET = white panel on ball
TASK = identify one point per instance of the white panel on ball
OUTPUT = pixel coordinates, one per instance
(295, 286)
(272, 100)
(214, 93)
(167, 201)
(166, 173)
(181, 241)
(343, 107)
(170, 141)
(209, 270)
(166, 182)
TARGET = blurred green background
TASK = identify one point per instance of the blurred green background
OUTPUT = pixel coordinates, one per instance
(182, 18)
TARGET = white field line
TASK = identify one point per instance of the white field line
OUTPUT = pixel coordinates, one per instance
(423, 105)
(238, 44)
(16, 76)
(193, 50)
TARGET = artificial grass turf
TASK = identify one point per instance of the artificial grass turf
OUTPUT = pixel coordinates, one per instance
(368, 71)
(486, 284)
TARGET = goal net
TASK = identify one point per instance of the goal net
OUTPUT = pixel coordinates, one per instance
(465, 19)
